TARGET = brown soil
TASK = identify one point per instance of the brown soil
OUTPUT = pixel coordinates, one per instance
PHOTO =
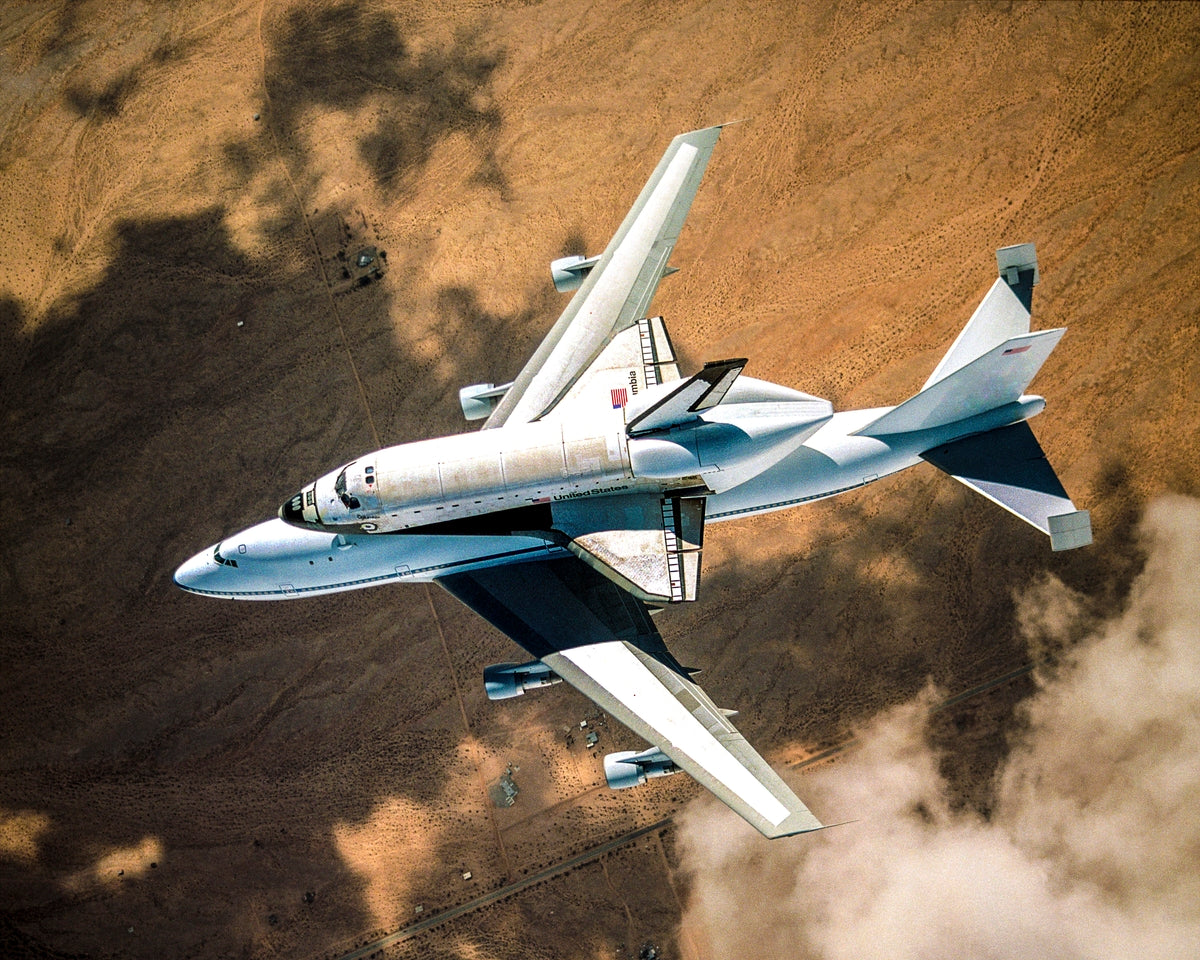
(180, 352)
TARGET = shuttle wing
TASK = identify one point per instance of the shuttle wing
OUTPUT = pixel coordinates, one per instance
(618, 290)
(601, 640)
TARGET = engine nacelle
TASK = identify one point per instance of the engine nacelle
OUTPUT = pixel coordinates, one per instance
(503, 681)
(628, 768)
(480, 399)
(569, 272)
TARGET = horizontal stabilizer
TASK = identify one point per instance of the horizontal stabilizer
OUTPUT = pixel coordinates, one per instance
(998, 377)
(1009, 468)
(683, 402)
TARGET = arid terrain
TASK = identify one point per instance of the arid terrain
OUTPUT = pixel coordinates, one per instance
(180, 186)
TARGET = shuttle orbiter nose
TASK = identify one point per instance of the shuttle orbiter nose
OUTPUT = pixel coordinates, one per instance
(293, 511)
(301, 510)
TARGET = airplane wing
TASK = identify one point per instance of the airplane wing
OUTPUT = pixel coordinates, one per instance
(617, 292)
(601, 640)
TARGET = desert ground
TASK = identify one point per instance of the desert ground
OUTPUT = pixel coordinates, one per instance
(179, 187)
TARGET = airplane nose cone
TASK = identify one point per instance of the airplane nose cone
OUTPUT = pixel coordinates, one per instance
(195, 571)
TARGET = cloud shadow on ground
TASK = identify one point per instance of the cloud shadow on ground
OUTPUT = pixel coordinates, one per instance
(352, 57)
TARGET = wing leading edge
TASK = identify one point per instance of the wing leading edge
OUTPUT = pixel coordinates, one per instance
(601, 640)
(618, 290)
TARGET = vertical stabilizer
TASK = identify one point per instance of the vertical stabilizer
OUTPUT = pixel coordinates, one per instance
(1002, 315)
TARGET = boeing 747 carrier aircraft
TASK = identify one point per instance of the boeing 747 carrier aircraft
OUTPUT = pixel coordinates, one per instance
(579, 509)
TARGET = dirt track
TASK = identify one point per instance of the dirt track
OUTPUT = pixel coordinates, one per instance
(840, 239)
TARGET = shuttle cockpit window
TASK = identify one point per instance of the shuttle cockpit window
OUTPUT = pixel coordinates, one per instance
(349, 500)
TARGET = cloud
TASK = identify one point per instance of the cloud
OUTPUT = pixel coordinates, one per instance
(1091, 849)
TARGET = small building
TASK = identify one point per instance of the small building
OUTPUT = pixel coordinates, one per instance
(363, 266)
(466, 875)
(592, 739)
(504, 791)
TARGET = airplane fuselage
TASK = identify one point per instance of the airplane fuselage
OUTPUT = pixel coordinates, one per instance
(456, 503)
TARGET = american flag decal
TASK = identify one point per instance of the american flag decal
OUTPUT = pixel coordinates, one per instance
(1016, 350)
(619, 397)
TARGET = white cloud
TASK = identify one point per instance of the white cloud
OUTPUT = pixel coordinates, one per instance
(1092, 848)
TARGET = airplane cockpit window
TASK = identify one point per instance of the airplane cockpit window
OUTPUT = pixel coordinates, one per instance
(349, 500)
(223, 561)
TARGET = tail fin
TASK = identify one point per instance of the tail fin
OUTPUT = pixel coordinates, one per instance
(992, 361)
(989, 366)
(1002, 315)
(681, 401)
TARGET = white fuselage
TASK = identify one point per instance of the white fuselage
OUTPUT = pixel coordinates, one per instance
(416, 520)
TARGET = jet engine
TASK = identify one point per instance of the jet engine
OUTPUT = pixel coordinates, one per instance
(628, 768)
(569, 272)
(502, 681)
